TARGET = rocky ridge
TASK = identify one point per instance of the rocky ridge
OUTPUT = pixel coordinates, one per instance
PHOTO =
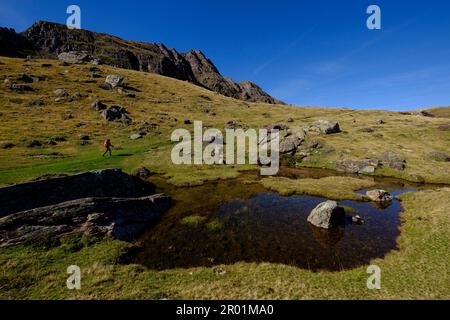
(50, 40)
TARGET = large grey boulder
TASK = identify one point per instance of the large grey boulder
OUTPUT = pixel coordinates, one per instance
(289, 144)
(379, 195)
(114, 80)
(327, 215)
(325, 127)
(74, 57)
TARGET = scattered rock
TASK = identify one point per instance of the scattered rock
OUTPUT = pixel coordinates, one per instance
(37, 103)
(218, 271)
(381, 121)
(33, 144)
(105, 86)
(289, 144)
(117, 113)
(444, 127)
(143, 172)
(379, 195)
(357, 219)
(425, 113)
(114, 80)
(98, 106)
(85, 142)
(7, 145)
(367, 130)
(16, 101)
(314, 144)
(60, 93)
(20, 87)
(325, 127)
(232, 124)
(357, 166)
(125, 93)
(290, 120)
(68, 117)
(327, 215)
(136, 136)
(187, 121)
(22, 77)
(84, 137)
(392, 160)
(439, 156)
(273, 127)
(74, 57)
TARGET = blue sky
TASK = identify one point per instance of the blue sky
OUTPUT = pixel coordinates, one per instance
(313, 53)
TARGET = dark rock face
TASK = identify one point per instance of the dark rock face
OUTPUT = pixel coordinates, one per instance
(13, 44)
(103, 183)
(51, 40)
(118, 218)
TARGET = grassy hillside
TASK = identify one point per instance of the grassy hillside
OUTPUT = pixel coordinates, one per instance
(161, 105)
(418, 269)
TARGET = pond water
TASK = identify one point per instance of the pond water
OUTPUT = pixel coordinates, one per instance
(233, 221)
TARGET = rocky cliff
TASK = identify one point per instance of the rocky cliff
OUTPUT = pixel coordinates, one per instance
(46, 39)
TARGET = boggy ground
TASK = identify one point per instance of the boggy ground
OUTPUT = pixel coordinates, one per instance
(418, 269)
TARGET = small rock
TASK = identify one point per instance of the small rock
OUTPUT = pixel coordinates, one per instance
(439, 156)
(37, 103)
(84, 137)
(20, 87)
(327, 215)
(367, 130)
(290, 120)
(381, 121)
(219, 271)
(105, 86)
(379, 195)
(114, 80)
(135, 136)
(60, 93)
(313, 144)
(357, 219)
(393, 160)
(24, 78)
(98, 106)
(444, 127)
(7, 145)
(143, 172)
(33, 144)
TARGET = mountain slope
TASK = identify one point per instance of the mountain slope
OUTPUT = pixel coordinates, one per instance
(47, 39)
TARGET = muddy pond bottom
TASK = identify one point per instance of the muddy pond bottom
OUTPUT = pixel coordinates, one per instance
(271, 228)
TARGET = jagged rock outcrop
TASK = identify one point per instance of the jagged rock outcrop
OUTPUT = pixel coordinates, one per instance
(51, 40)
(98, 203)
(45, 192)
(118, 218)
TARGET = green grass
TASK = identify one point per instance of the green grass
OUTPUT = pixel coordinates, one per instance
(337, 188)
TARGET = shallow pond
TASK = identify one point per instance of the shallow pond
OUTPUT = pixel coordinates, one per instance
(233, 221)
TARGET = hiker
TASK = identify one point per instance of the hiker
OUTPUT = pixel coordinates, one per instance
(107, 144)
